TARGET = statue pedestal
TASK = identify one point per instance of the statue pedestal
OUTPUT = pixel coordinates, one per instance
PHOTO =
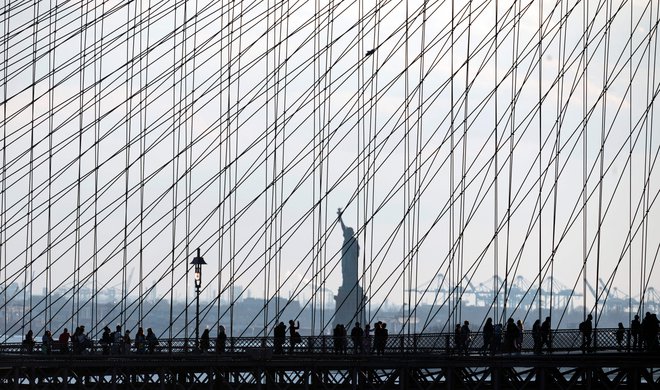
(349, 306)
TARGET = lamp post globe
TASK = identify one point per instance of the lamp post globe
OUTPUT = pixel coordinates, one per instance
(197, 262)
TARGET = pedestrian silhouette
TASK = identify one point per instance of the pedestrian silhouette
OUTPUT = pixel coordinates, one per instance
(106, 341)
(152, 340)
(519, 337)
(336, 339)
(221, 340)
(536, 336)
(510, 336)
(586, 328)
(488, 335)
(47, 342)
(620, 332)
(294, 335)
(356, 336)
(366, 342)
(117, 341)
(635, 331)
(465, 337)
(126, 348)
(63, 341)
(546, 336)
(140, 341)
(279, 337)
(28, 343)
(204, 341)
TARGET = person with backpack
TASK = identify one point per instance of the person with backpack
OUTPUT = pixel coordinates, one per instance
(546, 336)
(586, 328)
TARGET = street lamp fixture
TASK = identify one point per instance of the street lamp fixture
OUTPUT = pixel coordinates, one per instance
(198, 262)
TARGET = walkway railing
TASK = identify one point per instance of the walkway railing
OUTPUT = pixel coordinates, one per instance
(567, 340)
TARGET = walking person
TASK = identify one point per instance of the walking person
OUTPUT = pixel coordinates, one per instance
(465, 337)
(620, 332)
(488, 331)
(457, 339)
(586, 328)
(546, 336)
(635, 331)
(536, 337)
(519, 337)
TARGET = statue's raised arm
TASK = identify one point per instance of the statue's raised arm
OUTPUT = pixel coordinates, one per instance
(341, 221)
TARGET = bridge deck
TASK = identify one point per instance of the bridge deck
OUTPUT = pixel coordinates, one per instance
(247, 371)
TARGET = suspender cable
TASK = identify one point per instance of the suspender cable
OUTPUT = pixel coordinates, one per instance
(3, 196)
(52, 31)
(584, 57)
(540, 196)
(496, 170)
(175, 174)
(450, 267)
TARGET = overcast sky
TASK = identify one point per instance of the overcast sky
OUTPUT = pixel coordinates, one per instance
(458, 144)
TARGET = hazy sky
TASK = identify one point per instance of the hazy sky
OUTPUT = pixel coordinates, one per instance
(459, 143)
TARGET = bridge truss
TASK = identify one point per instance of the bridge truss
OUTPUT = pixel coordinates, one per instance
(462, 139)
(540, 372)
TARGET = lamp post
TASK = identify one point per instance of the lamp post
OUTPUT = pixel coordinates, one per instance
(198, 262)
